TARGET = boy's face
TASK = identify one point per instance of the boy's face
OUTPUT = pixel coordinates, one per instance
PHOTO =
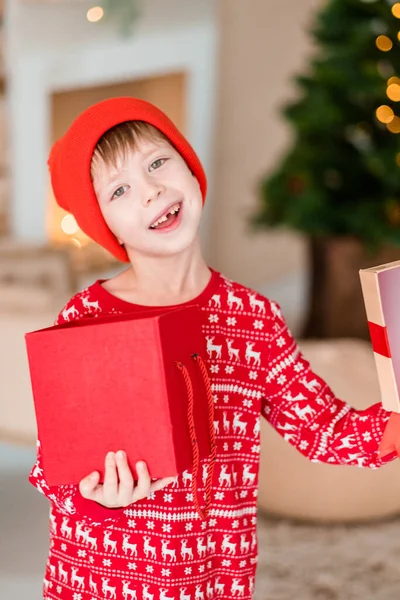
(148, 182)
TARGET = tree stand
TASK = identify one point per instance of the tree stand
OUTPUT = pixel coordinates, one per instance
(336, 306)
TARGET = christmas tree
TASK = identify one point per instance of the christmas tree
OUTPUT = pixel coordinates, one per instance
(341, 176)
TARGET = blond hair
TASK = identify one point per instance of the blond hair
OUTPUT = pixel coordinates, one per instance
(117, 141)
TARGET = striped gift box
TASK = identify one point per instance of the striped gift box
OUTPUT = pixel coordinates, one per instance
(381, 291)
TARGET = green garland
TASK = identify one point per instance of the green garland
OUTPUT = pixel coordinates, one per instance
(125, 12)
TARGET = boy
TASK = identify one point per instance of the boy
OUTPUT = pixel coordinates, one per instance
(136, 187)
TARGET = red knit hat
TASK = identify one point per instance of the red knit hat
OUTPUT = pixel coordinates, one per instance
(70, 159)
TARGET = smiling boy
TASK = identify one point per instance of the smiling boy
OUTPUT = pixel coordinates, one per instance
(136, 186)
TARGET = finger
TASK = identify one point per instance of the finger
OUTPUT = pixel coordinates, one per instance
(110, 484)
(142, 489)
(87, 486)
(161, 483)
(125, 489)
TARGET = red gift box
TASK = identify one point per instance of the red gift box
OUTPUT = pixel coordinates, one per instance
(133, 382)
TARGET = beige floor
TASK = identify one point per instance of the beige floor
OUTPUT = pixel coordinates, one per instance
(297, 561)
(303, 562)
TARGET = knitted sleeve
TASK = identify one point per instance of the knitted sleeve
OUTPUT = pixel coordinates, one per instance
(305, 412)
(67, 498)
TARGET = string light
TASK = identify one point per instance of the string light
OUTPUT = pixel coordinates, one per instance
(95, 14)
(394, 125)
(69, 225)
(396, 10)
(385, 114)
(393, 92)
(384, 43)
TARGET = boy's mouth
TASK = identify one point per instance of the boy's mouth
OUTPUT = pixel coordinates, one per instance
(168, 217)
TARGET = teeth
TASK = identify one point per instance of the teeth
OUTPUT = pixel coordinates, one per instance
(174, 209)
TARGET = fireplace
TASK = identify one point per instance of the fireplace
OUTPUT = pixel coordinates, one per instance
(63, 64)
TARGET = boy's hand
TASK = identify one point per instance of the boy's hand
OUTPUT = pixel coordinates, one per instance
(116, 494)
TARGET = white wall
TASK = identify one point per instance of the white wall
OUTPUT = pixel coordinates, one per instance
(46, 25)
(263, 43)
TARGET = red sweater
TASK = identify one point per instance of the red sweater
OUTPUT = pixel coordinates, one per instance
(159, 548)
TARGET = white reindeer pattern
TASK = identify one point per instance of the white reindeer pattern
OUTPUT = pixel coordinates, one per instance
(237, 421)
(211, 348)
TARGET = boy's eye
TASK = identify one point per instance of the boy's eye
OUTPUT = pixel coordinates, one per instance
(119, 192)
(157, 163)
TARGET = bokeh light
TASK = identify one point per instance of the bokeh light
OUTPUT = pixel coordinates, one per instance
(95, 14)
(384, 43)
(396, 10)
(394, 125)
(69, 225)
(393, 92)
(385, 114)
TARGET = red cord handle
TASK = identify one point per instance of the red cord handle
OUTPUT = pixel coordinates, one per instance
(189, 388)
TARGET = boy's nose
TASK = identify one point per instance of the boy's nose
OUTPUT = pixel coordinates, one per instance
(152, 190)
